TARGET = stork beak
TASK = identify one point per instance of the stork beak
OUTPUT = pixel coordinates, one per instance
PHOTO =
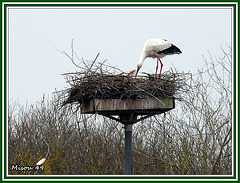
(137, 71)
(130, 73)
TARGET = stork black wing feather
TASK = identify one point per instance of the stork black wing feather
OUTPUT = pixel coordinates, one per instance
(171, 50)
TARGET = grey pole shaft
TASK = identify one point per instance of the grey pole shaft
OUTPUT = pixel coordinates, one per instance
(128, 149)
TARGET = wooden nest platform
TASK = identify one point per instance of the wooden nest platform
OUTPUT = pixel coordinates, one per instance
(125, 106)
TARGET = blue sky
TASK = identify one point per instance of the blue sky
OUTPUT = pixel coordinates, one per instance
(118, 34)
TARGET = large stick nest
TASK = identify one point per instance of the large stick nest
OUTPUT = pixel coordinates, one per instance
(99, 80)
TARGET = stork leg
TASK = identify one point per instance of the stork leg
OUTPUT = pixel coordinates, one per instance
(161, 67)
(156, 69)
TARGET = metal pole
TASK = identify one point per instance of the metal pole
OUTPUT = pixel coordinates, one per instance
(128, 149)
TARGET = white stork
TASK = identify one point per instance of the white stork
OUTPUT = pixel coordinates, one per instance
(143, 75)
(156, 48)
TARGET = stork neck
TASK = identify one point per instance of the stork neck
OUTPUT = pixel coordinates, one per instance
(141, 59)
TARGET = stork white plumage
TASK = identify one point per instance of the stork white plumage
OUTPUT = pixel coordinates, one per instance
(156, 48)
